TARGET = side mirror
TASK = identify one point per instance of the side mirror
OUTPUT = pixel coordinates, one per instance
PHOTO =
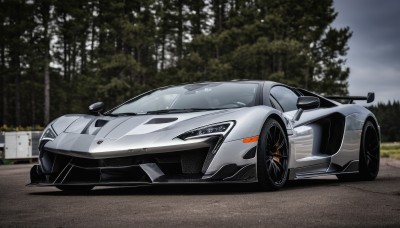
(96, 108)
(305, 103)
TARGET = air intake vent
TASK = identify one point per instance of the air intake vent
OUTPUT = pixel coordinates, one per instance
(161, 120)
(100, 123)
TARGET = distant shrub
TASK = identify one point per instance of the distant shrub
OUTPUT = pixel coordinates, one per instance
(387, 115)
(19, 128)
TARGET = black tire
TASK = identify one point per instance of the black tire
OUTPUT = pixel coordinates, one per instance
(272, 156)
(369, 156)
(75, 188)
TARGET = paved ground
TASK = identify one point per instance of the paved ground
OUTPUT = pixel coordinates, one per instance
(308, 203)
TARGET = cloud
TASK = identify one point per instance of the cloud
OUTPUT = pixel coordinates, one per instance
(383, 81)
(374, 55)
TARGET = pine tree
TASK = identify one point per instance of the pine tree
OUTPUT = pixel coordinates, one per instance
(112, 50)
(286, 41)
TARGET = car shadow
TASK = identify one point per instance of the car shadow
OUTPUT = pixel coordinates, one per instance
(189, 189)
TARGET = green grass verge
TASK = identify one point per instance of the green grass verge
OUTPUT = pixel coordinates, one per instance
(390, 150)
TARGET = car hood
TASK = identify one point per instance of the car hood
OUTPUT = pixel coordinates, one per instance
(106, 136)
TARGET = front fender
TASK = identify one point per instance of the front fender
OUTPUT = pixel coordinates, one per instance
(249, 122)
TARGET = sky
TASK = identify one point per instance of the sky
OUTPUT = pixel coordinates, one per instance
(374, 55)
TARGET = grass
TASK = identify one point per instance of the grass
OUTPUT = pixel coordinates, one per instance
(390, 150)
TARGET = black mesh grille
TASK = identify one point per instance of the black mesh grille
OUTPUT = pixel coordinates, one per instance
(193, 161)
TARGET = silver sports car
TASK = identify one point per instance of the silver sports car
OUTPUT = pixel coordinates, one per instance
(213, 132)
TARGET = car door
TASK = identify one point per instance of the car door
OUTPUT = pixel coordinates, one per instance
(304, 154)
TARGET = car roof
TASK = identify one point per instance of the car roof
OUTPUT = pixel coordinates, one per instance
(268, 83)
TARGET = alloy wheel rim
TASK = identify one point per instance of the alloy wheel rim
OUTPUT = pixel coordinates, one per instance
(276, 155)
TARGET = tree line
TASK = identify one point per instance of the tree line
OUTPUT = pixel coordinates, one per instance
(59, 56)
(387, 115)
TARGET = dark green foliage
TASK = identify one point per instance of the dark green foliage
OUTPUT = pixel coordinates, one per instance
(387, 115)
(112, 50)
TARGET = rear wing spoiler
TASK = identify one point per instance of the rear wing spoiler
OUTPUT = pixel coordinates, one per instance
(369, 98)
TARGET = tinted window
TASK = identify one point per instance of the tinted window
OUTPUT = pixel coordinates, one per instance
(285, 97)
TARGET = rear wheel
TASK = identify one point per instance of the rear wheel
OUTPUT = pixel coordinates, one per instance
(369, 155)
(272, 156)
(75, 188)
(369, 159)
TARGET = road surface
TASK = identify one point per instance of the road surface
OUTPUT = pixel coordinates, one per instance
(317, 202)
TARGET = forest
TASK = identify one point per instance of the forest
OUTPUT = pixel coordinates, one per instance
(59, 56)
(387, 115)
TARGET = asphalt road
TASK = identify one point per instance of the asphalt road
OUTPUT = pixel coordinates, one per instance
(307, 203)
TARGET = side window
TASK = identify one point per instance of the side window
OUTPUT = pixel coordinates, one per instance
(286, 98)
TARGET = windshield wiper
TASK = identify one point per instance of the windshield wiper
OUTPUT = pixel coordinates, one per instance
(162, 111)
(122, 114)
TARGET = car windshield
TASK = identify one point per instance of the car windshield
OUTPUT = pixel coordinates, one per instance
(192, 97)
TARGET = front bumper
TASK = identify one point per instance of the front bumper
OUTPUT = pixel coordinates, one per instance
(136, 175)
(187, 166)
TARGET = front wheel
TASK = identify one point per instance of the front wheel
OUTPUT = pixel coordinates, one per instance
(272, 156)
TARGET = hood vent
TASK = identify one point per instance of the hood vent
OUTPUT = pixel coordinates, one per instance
(100, 123)
(161, 120)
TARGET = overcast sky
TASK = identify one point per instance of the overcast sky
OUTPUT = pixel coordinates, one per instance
(374, 55)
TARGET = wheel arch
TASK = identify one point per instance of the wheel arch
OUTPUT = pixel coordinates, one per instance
(280, 121)
(375, 123)
(264, 183)
(366, 170)
(278, 118)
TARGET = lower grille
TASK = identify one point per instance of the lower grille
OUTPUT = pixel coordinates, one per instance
(192, 163)
(123, 168)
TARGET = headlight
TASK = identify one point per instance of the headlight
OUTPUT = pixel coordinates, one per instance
(210, 130)
(48, 134)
